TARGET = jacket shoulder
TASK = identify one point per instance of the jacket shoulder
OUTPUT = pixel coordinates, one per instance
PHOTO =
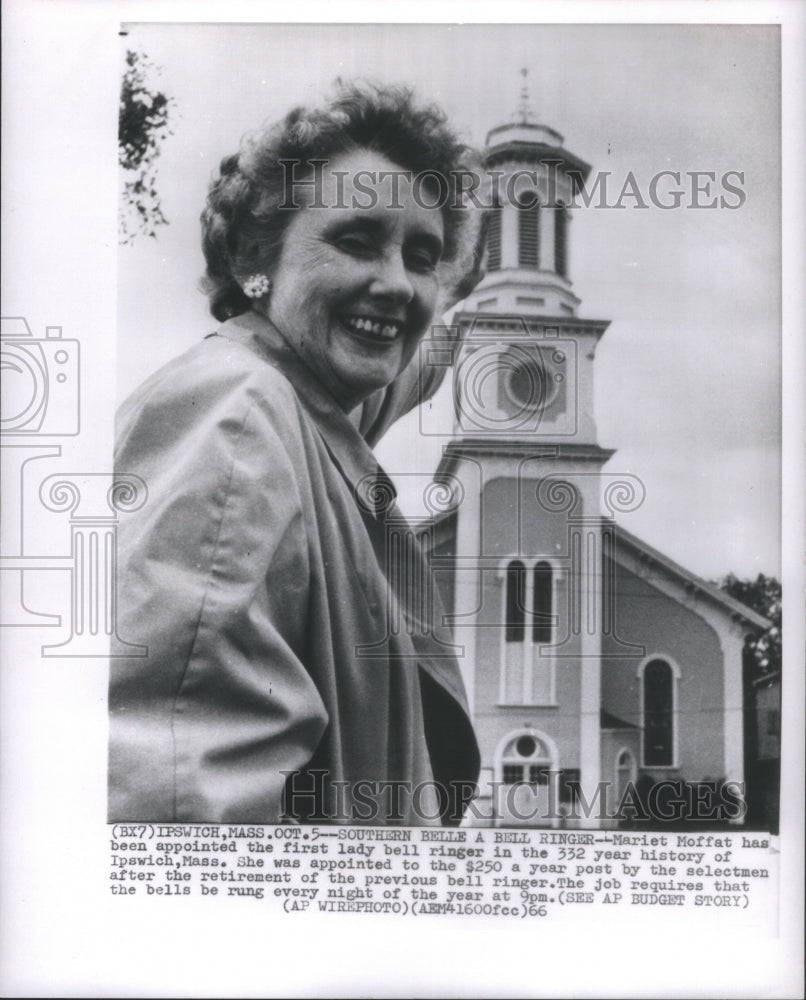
(216, 383)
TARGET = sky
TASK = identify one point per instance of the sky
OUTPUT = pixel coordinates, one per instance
(688, 373)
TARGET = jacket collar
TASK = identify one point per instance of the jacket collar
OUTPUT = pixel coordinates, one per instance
(372, 488)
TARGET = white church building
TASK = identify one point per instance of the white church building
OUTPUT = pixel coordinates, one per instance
(588, 656)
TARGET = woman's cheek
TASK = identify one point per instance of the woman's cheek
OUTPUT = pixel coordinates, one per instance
(427, 301)
(431, 292)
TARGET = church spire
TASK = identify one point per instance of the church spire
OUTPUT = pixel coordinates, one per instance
(524, 113)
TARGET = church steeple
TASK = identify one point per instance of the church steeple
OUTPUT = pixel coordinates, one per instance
(525, 371)
(529, 536)
(524, 110)
(532, 183)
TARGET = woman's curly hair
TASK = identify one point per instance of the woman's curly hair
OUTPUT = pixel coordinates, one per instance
(243, 222)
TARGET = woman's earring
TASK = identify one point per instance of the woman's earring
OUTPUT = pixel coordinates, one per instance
(256, 286)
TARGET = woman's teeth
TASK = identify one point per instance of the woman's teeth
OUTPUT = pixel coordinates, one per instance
(388, 331)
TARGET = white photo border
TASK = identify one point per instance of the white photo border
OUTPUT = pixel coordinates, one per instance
(61, 936)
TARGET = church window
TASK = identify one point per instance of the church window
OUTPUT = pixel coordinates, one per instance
(512, 773)
(529, 235)
(658, 714)
(516, 601)
(527, 667)
(494, 240)
(526, 760)
(525, 770)
(561, 241)
(542, 592)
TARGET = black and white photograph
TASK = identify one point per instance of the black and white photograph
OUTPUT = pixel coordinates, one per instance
(402, 509)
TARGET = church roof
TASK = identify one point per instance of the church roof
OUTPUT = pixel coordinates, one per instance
(443, 529)
(486, 324)
(608, 721)
(525, 148)
(694, 584)
(519, 448)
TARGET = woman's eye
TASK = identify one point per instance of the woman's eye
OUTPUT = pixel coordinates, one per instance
(421, 260)
(357, 245)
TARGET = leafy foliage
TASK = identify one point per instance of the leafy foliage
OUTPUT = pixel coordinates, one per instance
(764, 596)
(143, 124)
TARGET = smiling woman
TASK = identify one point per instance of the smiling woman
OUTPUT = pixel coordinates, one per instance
(262, 575)
(355, 289)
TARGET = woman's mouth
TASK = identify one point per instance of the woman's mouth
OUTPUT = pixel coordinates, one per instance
(372, 327)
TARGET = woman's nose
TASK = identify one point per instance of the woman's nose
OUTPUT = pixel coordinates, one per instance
(392, 281)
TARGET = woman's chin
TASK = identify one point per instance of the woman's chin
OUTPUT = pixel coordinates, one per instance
(364, 364)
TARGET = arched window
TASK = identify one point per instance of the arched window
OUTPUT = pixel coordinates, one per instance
(526, 770)
(561, 241)
(514, 633)
(529, 235)
(658, 713)
(527, 759)
(494, 240)
(528, 668)
(542, 606)
(516, 601)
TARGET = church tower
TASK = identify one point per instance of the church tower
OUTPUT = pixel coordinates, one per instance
(525, 544)
(593, 662)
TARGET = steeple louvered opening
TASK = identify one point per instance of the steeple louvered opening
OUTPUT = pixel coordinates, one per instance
(529, 235)
(561, 241)
(494, 240)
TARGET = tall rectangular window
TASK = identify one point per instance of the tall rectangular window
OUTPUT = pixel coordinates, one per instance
(529, 235)
(516, 601)
(494, 240)
(541, 623)
(561, 241)
(658, 714)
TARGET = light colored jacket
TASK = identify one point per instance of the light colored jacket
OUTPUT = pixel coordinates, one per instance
(282, 636)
